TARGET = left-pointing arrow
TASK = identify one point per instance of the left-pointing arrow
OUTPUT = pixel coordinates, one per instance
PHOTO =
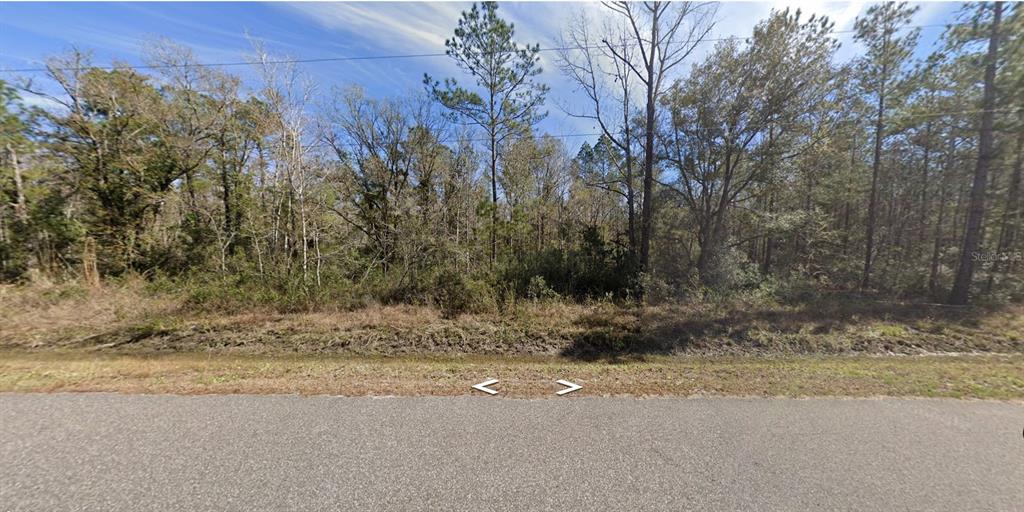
(483, 386)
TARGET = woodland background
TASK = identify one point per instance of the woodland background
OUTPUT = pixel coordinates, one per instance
(767, 169)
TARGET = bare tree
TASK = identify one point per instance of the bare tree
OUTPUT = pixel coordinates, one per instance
(286, 92)
(665, 35)
(607, 83)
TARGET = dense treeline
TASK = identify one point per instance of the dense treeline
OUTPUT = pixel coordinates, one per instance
(766, 165)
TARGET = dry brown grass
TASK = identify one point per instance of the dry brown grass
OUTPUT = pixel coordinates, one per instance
(124, 338)
(128, 319)
(42, 315)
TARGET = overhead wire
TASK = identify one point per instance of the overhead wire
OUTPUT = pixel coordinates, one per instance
(425, 55)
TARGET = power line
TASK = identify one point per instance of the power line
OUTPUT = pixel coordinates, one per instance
(364, 57)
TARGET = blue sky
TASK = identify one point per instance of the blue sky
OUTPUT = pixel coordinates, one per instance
(218, 32)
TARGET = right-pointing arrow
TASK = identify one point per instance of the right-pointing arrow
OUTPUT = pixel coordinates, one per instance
(483, 386)
(570, 387)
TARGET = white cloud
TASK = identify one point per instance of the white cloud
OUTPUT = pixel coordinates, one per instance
(418, 27)
(842, 14)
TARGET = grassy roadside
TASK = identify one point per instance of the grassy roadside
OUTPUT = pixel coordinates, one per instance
(999, 377)
(132, 320)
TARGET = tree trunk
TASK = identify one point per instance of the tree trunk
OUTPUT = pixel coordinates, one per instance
(976, 211)
(933, 275)
(494, 198)
(225, 185)
(1011, 213)
(847, 207)
(645, 207)
(648, 198)
(21, 215)
(769, 241)
(630, 193)
(20, 208)
(876, 166)
(923, 213)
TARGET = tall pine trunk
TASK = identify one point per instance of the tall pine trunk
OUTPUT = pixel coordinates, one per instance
(976, 211)
(1010, 222)
(876, 166)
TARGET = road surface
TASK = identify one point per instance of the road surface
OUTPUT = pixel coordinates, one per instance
(109, 452)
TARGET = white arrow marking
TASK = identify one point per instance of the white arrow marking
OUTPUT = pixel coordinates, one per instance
(569, 385)
(483, 386)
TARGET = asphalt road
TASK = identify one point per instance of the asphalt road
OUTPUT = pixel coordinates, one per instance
(108, 452)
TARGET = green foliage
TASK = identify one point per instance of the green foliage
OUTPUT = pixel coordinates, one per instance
(116, 147)
(594, 270)
(244, 292)
(455, 294)
(538, 289)
(762, 177)
(484, 47)
(888, 46)
(508, 100)
(729, 136)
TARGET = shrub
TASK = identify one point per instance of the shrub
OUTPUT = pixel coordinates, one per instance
(242, 292)
(538, 289)
(594, 270)
(455, 294)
